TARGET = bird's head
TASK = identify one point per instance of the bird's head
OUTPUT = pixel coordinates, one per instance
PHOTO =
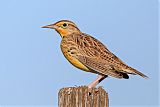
(63, 27)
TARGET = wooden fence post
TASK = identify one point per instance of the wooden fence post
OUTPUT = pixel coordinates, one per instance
(81, 97)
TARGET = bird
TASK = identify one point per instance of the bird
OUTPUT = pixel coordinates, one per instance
(89, 54)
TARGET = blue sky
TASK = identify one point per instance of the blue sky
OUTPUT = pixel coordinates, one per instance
(33, 69)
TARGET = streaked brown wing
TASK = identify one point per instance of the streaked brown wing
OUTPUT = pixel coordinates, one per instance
(92, 48)
(99, 66)
(93, 54)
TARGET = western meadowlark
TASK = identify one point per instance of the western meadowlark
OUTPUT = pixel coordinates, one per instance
(88, 54)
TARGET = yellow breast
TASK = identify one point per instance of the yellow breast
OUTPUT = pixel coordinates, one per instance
(74, 61)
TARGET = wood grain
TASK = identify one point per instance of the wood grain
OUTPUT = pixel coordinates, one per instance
(82, 97)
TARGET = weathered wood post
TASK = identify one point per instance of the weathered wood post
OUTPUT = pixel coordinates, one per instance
(81, 97)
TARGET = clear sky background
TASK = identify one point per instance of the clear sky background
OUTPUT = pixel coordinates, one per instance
(33, 69)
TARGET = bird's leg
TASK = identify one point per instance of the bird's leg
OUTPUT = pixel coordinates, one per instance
(97, 81)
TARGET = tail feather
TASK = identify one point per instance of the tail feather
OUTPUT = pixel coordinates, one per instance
(134, 71)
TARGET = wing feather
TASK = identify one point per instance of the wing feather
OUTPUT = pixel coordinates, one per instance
(94, 55)
(99, 66)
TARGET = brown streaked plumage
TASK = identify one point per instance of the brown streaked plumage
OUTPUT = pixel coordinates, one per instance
(88, 54)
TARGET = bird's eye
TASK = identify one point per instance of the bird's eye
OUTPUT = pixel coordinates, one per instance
(64, 25)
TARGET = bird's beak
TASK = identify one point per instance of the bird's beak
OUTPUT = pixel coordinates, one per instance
(51, 26)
